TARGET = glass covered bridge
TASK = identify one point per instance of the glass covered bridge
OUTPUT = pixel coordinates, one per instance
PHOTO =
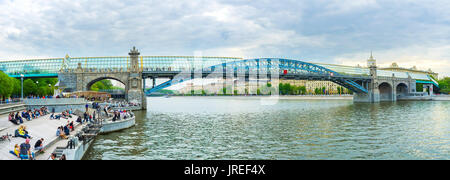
(169, 66)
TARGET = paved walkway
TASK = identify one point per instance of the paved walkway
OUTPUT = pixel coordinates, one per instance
(42, 127)
(4, 123)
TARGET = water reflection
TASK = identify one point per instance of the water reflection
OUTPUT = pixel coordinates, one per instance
(242, 128)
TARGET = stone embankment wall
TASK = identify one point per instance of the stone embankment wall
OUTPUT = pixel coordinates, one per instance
(58, 104)
(5, 109)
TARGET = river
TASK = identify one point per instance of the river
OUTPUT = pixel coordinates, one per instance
(289, 128)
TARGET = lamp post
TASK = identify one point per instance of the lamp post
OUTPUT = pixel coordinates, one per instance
(21, 78)
(53, 91)
(37, 95)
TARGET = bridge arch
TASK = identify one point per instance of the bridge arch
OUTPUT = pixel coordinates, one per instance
(385, 89)
(92, 82)
(283, 68)
(118, 94)
(402, 89)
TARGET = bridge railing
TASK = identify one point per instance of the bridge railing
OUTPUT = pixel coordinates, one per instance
(43, 102)
(12, 102)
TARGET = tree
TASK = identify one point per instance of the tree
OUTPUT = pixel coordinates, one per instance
(224, 91)
(29, 87)
(444, 85)
(104, 84)
(6, 86)
(419, 87)
(42, 91)
(302, 90)
(284, 88)
(17, 87)
(316, 91)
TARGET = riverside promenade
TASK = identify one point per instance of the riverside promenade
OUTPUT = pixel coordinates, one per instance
(41, 127)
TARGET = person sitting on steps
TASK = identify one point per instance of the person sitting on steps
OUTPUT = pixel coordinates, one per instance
(18, 118)
(25, 150)
(12, 119)
(22, 132)
(16, 151)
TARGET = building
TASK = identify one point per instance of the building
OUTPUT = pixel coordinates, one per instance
(394, 67)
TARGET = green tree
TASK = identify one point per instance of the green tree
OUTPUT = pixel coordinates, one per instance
(17, 87)
(105, 84)
(224, 91)
(6, 86)
(316, 91)
(444, 85)
(419, 87)
(42, 91)
(302, 90)
(284, 88)
(29, 87)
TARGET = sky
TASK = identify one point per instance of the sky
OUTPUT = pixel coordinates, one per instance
(411, 33)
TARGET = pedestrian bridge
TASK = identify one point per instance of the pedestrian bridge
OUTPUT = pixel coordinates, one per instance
(79, 73)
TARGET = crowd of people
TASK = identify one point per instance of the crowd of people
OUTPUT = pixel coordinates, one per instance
(119, 104)
(66, 114)
(64, 131)
(18, 117)
(23, 151)
(87, 117)
(121, 114)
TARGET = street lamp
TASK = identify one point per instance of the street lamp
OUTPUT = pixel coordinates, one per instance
(53, 91)
(21, 78)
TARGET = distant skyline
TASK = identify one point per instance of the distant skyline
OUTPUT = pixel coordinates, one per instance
(410, 33)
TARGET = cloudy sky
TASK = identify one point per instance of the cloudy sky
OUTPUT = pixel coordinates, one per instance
(411, 33)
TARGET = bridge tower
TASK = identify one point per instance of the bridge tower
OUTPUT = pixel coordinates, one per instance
(373, 94)
(135, 91)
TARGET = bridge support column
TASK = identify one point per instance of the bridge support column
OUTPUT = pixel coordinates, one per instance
(372, 97)
(143, 82)
(394, 93)
(153, 82)
(373, 94)
(135, 91)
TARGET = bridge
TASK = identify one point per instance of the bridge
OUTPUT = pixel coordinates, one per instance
(80, 73)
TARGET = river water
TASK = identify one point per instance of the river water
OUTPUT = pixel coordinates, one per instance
(251, 128)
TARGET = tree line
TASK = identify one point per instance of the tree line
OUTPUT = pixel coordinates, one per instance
(444, 85)
(11, 87)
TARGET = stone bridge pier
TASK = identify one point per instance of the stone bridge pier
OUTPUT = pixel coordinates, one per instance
(81, 79)
(384, 88)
